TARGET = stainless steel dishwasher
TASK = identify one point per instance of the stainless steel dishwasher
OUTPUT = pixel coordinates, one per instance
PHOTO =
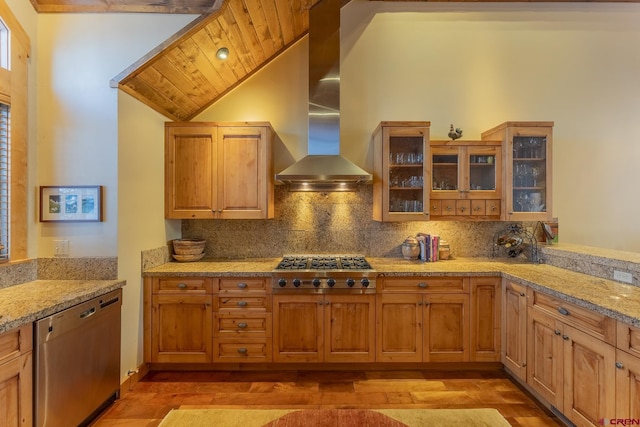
(77, 362)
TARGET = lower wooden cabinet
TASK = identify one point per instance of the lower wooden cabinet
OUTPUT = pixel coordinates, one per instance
(323, 328)
(486, 317)
(514, 329)
(16, 373)
(178, 320)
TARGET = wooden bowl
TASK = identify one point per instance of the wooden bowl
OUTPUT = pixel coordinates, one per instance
(188, 246)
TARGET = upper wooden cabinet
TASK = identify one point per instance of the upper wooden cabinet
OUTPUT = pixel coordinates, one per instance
(218, 170)
(466, 180)
(526, 152)
(401, 177)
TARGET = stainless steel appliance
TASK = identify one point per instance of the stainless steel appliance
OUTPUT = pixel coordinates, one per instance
(324, 273)
(77, 362)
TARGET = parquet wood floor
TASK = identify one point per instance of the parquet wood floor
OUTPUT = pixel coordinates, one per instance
(158, 392)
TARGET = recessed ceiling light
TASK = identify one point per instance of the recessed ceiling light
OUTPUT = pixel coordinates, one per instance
(222, 53)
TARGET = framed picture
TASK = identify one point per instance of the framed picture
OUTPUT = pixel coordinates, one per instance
(72, 203)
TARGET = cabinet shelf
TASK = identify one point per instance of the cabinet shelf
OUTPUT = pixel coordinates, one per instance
(409, 165)
(406, 188)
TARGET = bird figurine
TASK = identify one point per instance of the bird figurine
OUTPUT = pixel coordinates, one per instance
(455, 134)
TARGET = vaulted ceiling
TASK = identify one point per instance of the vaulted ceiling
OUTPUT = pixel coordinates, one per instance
(182, 76)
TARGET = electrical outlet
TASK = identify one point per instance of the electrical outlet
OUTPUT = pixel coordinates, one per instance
(622, 276)
(61, 247)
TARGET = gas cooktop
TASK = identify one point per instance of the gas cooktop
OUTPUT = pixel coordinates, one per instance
(323, 262)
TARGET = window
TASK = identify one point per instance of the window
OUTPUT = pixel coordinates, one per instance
(4, 182)
(4, 45)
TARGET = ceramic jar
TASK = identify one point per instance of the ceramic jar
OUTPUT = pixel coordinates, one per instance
(410, 248)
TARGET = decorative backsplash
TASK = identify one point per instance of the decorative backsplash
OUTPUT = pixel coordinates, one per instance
(316, 222)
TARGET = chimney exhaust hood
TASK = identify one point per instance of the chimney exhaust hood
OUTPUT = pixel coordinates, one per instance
(323, 169)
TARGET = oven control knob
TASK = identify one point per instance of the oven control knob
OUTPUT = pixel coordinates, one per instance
(297, 282)
(350, 283)
(315, 282)
(331, 282)
(282, 283)
(365, 282)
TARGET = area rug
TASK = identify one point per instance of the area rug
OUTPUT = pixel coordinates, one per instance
(334, 417)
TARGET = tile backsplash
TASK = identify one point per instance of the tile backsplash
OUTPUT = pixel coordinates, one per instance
(317, 222)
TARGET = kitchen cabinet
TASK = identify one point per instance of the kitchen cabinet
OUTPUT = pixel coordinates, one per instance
(401, 176)
(486, 315)
(178, 319)
(514, 329)
(242, 320)
(571, 359)
(16, 373)
(412, 314)
(527, 172)
(627, 372)
(219, 170)
(324, 328)
(466, 180)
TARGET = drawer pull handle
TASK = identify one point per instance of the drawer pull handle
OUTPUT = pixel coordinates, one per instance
(563, 311)
(242, 285)
(619, 365)
(242, 303)
(242, 350)
(182, 286)
(242, 325)
(422, 285)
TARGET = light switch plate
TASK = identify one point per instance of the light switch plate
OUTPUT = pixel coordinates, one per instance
(61, 247)
(622, 276)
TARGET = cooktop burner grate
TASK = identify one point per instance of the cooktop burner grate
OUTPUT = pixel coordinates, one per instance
(323, 263)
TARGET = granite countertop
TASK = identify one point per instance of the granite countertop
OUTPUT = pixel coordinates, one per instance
(27, 302)
(614, 299)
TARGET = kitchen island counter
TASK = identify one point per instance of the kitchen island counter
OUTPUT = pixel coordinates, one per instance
(26, 302)
(617, 300)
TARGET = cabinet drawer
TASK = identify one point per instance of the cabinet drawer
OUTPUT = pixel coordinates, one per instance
(628, 338)
(595, 324)
(15, 342)
(427, 284)
(242, 324)
(243, 302)
(189, 285)
(242, 351)
(242, 284)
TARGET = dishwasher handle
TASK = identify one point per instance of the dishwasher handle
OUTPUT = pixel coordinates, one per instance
(88, 313)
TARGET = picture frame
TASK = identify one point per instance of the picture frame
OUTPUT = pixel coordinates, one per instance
(71, 203)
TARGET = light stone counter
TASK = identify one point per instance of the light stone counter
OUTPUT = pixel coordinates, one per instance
(27, 302)
(617, 300)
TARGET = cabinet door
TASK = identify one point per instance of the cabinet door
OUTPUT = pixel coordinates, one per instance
(181, 328)
(483, 179)
(485, 319)
(399, 328)
(544, 358)
(349, 328)
(589, 378)
(446, 328)
(627, 386)
(447, 173)
(297, 328)
(190, 172)
(401, 181)
(514, 329)
(16, 391)
(245, 182)
(528, 175)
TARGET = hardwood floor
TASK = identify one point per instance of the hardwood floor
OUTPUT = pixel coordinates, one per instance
(158, 392)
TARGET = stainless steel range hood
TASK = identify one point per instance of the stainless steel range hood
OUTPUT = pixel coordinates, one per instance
(323, 169)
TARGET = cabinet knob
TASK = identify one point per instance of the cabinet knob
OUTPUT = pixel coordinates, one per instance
(219, 210)
(182, 286)
(462, 209)
(563, 311)
(557, 332)
(420, 303)
(242, 285)
(242, 325)
(422, 285)
(449, 208)
(619, 365)
(493, 207)
(522, 294)
(327, 303)
(242, 303)
(566, 338)
(242, 350)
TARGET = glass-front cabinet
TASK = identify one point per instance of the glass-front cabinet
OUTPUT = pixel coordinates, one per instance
(466, 179)
(401, 180)
(527, 154)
